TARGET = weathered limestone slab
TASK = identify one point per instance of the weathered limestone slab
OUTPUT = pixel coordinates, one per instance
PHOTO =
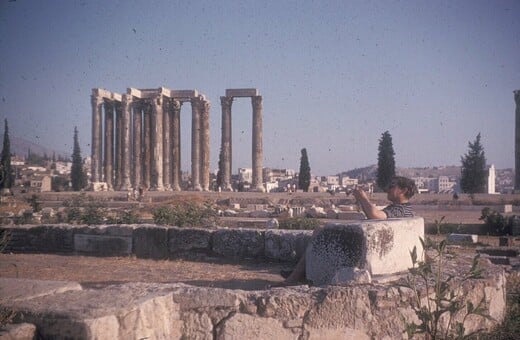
(151, 242)
(130, 311)
(22, 289)
(104, 240)
(243, 326)
(40, 239)
(192, 239)
(376, 246)
(247, 243)
(241, 92)
(21, 331)
(462, 238)
(286, 245)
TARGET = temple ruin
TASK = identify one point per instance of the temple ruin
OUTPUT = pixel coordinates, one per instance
(226, 146)
(136, 139)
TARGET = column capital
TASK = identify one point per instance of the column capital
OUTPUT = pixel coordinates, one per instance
(257, 102)
(226, 102)
(176, 104)
(517, 97)
(96, 100)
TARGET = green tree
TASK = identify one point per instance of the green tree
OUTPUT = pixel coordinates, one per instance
(6, 172)
(385, 161)
(473, 172)
(304, 178)
(76, 174)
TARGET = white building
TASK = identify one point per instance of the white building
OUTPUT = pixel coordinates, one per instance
(491, 179)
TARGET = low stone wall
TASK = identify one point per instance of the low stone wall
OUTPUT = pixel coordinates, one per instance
(63, 310)
(157, 242)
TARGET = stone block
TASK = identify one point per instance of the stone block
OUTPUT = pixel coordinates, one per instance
(40, 239)
(247, 243)
(462, 238)
(130, 311)
(286, 245)
(507, 208)
(151, 242)
(243, 326)
(111, 240)
(380, 247)
(18, 289)
(351, 215)
(21, 331)
(241, 92)
(192, 239)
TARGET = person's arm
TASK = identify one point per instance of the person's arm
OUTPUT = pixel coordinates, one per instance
(369, 209)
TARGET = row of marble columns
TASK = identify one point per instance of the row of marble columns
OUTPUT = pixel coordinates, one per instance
(141, 143)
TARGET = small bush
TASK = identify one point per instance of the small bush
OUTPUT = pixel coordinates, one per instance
(299, 223)
(85, 209)
(124, 217)
(495, 220)
(185, 214)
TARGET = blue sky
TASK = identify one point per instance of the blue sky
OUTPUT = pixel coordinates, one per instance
(334, 75)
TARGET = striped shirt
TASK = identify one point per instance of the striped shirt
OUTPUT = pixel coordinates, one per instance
(399, 210)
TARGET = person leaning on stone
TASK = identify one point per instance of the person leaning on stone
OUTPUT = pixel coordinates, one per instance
(399, 192)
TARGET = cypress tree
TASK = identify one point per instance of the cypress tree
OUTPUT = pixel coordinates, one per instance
(473, 171)
(385, 161)
(6, 172)
(76, 173)
(304, 178)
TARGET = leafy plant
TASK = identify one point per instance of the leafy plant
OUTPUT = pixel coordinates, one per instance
(35, 203)
(493, 219)
(438, 299)
(299, 223)
(185, 214)
(85, 209)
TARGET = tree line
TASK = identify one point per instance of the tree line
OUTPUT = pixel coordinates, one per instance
(473, 171)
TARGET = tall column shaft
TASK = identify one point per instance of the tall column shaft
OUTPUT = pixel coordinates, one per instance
(257, 152)
(176, 145)
(226, 143)
(109, 144)
(204, 145)
(157, 144)
(147, 146)
(126, 149)
(118, 155)
(137, 159)
(167, 170)
(195, 144)
(97, 107)
(517, 141)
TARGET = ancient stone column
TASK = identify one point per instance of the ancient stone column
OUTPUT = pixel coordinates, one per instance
(258, 151)
(126, 149)
(137, 159)
(147, 146)
(157, 144)
(517, 141)
(176, 145)
(167, 144)
(109, 143)
(118, 162)
(204, 145)
(226, 147)
(195, 144)
(97, 108)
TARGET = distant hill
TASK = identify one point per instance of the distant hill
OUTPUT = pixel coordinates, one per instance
(20, 147)
(369, 172)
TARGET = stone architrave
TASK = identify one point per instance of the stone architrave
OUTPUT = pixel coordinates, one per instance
(226, 150)
(146, 146)
(97, 108)
(257, 148)
(167, 170)
(176, 145)
(157, 144)
(126, 156)
(517, 141)
(109, 143)
(195, 144)
(204, 145)
(138, 131)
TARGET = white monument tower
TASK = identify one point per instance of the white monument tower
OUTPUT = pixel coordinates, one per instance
(491, 179)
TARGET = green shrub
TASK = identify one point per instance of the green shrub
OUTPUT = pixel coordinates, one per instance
(85, 209)
(124, 217)
(440, 295)
(299, 223)
(495, 220)
(185, 214)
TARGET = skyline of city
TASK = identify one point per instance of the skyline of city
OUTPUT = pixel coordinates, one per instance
(333, 76)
